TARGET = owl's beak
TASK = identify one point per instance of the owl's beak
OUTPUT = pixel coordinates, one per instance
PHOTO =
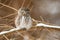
(24, 14)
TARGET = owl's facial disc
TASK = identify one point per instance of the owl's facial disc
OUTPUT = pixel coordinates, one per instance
(24, 11)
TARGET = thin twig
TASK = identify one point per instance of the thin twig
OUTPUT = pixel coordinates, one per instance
(6, 37)
(42, 19)
(35, 21)
(4, 2)
(8, 15)
(23, 4)
(12, 20)
(29, 3)
(31, 8)
(11, 1)
(8, 6)
(20, 34)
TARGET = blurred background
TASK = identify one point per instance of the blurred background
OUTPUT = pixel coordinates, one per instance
(48, 10)
(8, 12)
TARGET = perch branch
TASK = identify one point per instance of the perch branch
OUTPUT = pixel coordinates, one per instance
(46, 25)
(12, 30)
(39, 25)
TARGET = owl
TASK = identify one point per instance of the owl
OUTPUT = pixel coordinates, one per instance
(23, 19)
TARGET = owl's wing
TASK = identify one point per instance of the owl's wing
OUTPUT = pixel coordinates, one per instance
(17, 22)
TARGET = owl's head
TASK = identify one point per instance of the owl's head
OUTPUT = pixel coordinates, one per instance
(23, 11)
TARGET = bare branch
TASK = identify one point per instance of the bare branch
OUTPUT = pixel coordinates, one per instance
(29, 3)
(8, 15)
(42, 19)
(12, 30)
(23, 3)
(4, 2)
(46, 25)
(8, 6)
(6, 37)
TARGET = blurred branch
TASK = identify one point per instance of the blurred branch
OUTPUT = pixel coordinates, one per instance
(39, 25)
(31, 8)
(23, 4)
(8, 6)
(11, 1)
(8, 15)
(12, 30)
(4, 2)
(29, 3)
(42, 19)
(46, 25)
(11, 21)
(6, 37)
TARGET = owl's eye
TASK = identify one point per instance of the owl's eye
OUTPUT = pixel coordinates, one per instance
(22, 12)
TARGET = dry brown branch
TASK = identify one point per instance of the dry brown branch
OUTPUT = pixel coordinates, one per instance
(8, 15)
(8, 6)
(6, 37)
(10, 2)
(4, 2)
(42, 19)
(31, 8)
(19, 33)
(12, 20)
(29, 3)
(23, 3)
